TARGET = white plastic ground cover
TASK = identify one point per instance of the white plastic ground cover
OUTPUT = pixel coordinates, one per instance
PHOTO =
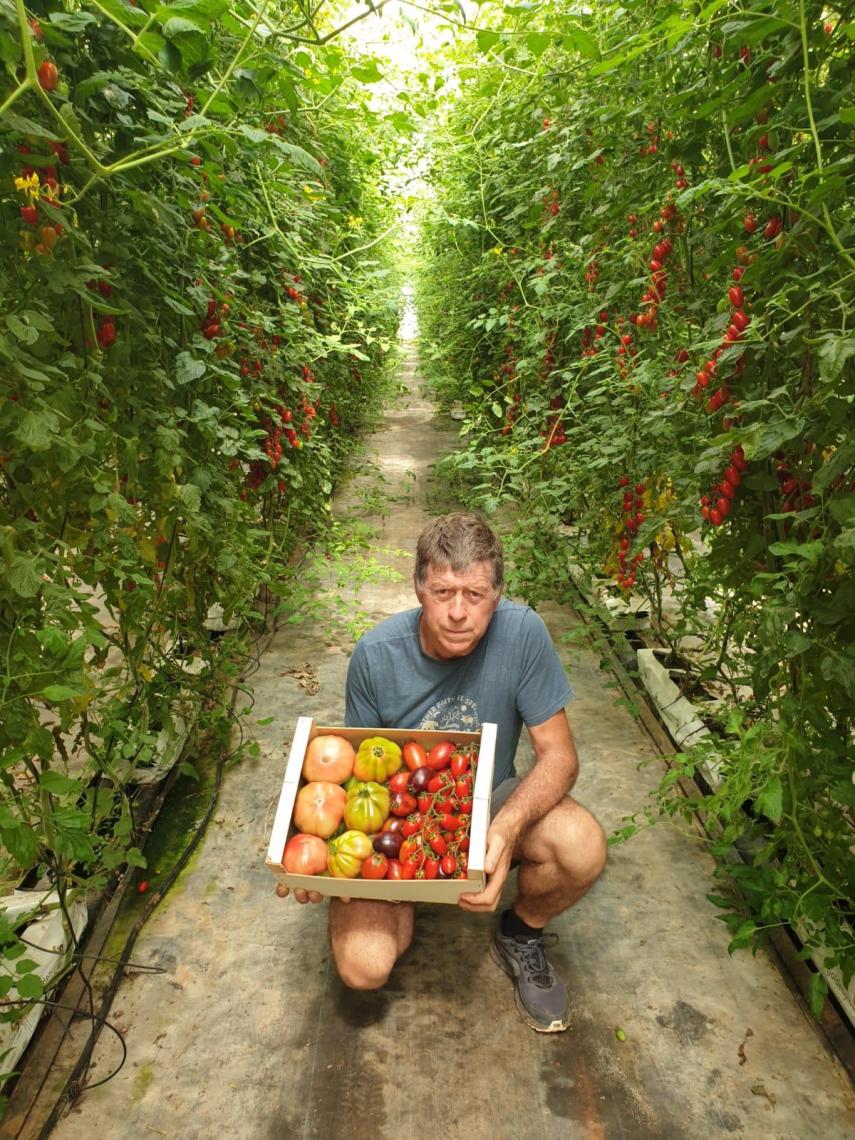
(678, 713)
(50, 946)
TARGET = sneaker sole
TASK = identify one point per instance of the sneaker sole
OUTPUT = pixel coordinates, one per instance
(558, 1026)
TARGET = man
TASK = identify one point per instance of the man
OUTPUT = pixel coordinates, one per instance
(464, 657)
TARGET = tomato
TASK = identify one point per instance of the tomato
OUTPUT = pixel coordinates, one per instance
(466, 801)
(412, 825)
(749, 224)
(736, 296)
(715, 517)
(431, 868)
(412, 851)
(425, 802)
(305, 855)
(463, 788)
(440, 755)
(394, 870)
(399, 782)
(445, 803)
(393, 824)
(375, 866)
(388, 843)
(448, 865)
(377, 759)
(319, 808)
(420, 779)
(367, 806)
(106, 334)
(459, 764)
(740, 319)
(30, 214)
(327, 757)
(346, 854)
(48, 75)
(408, 870)
(402, 803)
(437, 843)
(450, 822)
(142, 886)
(414, 755)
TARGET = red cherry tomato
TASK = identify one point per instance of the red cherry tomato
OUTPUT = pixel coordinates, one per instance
(142, 886)
(448, 865)
(431, 868)
(48, 75)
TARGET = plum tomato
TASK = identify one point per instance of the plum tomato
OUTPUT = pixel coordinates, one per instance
(419, 780)
(431, 868)
(463, 787)
(459, 764)
(448, 865)
(399, 782)
(440, 755)
(393, 869)
(415, 756)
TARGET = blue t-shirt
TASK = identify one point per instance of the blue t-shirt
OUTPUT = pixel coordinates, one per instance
(512, 677)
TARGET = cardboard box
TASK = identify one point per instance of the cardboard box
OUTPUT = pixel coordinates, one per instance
(434, 890)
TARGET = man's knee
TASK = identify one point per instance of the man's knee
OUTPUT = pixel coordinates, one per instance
(363, 971)
(367, 938)
(578, 842)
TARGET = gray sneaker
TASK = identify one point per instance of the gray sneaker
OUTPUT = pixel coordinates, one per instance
(540, 994)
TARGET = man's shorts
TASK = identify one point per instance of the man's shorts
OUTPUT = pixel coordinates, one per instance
(501, 793)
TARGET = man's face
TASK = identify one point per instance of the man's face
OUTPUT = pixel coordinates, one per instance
(456, 609)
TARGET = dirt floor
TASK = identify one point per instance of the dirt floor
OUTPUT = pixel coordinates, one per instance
(248, 1031)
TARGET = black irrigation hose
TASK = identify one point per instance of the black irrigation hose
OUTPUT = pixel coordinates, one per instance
(73, 1085)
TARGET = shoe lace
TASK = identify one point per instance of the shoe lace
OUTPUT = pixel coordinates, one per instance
(535, 964)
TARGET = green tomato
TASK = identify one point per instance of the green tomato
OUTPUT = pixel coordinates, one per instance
(377, 759)
(367, 806)
(347, 853)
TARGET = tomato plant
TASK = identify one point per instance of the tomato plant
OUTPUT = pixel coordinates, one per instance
(612, 361)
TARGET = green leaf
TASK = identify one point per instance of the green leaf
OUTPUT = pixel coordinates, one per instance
(367, 72)
(57, 784)
(188, 368)
(817, 993)
(25, 966)
(37, 429)
(833, 354)
(770, 800)
(487, 39)
(25, 575)
(30, 986)
(743, 936)
(57, 693)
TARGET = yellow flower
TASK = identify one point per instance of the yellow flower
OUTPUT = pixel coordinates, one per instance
(28, 185)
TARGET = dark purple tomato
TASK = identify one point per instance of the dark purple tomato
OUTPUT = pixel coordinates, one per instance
(419, 780)
(388, 843)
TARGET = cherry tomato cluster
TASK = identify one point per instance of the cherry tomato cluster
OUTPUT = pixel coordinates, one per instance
(633, 505)
(715, 507)
(426, 835)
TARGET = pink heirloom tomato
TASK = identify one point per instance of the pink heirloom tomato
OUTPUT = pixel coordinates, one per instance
(305, 855)
(329, 758)
(319, 808)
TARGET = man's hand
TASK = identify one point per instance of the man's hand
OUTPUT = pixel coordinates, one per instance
(300, 895)
(497, 864)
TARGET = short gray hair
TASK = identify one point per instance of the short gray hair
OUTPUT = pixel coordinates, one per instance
(457, 540)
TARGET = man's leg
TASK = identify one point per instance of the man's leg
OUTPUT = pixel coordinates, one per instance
(367, 938)
(560, 858)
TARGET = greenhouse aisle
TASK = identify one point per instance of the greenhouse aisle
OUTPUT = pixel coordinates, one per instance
(247, 1031)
